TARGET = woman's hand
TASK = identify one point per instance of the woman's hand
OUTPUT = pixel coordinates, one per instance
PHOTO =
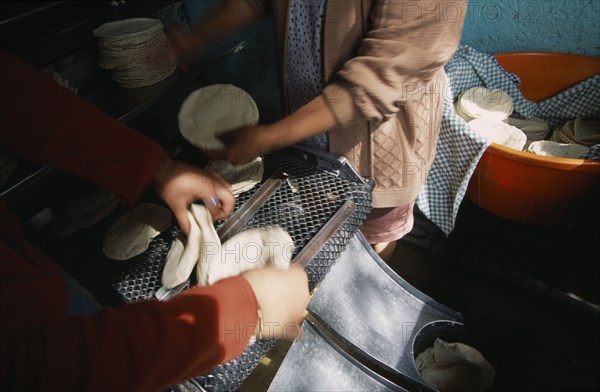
(244, 144)
(180, 184)
(282, 297)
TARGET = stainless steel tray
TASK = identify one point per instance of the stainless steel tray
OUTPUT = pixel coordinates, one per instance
(376, 318)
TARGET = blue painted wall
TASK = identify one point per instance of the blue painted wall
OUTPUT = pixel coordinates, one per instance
(567, 26)
(491, 26)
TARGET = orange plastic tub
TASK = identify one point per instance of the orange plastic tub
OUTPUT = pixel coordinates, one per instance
(534, 189)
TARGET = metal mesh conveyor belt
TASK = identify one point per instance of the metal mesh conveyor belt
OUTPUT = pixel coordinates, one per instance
(301, 205)
(317, 186)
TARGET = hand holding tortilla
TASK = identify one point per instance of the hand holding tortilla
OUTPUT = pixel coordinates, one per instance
(212, 110)
(242, 145)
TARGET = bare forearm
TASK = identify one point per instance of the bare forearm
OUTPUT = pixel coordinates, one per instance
(310, 120)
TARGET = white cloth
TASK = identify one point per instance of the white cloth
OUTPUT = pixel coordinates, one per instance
(499, 132)
(454, 367)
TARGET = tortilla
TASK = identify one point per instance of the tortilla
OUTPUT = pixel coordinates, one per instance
(213, 110)
(549, 148)
(241, 177)
(480, 102)
(132, 233)
(250, 249)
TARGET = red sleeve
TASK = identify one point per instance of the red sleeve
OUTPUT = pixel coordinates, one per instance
(139, 347)
(147, 346)
(43, 122)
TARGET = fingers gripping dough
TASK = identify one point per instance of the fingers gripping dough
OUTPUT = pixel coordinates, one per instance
(250, 249)
(131, 234)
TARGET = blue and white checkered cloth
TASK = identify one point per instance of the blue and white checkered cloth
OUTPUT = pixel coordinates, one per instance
(459, 148)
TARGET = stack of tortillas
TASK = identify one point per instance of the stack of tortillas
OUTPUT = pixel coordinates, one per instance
(213, 110)
(480, 102)
(578, 131)
(550, 148)
(135, 51)
(486, 110)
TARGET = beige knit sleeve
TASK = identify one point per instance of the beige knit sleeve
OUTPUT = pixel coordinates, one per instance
(408, 44)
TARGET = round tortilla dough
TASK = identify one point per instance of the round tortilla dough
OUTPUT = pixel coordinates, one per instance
(241, 177)
(132, 233)
(213, 110)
